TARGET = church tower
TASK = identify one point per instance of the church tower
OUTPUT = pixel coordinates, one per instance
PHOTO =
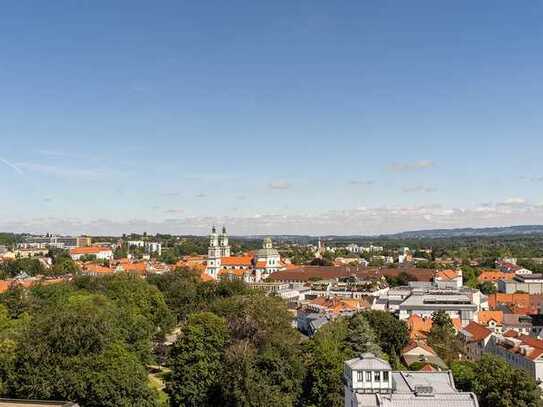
(213, 254)
(223, 243)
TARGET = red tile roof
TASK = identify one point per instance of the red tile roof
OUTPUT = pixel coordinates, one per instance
(477, 331)
(89, 250)
(447, 274)
(520, 299)
(486, 316)
(494, 276)
(237, 261)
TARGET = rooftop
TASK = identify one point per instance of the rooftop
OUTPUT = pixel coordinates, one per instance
(368, 361)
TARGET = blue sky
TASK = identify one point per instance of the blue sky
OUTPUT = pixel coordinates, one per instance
(273, 117)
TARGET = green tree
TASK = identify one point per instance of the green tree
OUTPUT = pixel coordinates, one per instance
(496, 383)
(74, 351)
(338, 341)
(197, 361)
(261, 327)
(442, 337)
(487, 287)
(361, 337)
(143, 313)
(392, 334)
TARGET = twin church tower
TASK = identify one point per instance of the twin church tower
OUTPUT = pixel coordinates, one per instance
(218, 247)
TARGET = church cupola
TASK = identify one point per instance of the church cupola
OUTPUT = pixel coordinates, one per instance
(223, 243)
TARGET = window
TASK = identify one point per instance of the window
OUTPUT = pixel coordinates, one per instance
(368, 376)
(360, 376)
(377, 376)
(385, 377)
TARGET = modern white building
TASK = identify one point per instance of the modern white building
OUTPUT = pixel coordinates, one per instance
(149, 247)
(424, 302)
(101, 253)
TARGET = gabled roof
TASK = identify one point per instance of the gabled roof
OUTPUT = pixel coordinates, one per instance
(420, 327)
(447, 274)
(96, 268)
(476, 332)
(486, 316)
(417, 344)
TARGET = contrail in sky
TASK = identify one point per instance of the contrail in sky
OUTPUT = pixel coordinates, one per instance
(12, 166)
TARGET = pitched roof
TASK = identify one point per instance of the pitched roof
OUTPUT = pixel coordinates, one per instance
(96, 268)
(338, 304)
(447, 274)
(476, 331)
(89, 250)
(522, 299)
(417, 344)
(237, 261)
(486, 316)
(494, 276)
(420, 327)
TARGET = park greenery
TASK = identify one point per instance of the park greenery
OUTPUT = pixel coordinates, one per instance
(95, 340)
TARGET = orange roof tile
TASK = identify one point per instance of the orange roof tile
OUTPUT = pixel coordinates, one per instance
(477, 331)
(96, 268)
(494, 276)
(447, 274)
(260, 264)
(418, 326)
(89, 250)
(237, 261)
(486, 316)
(521, 299)
(535, 343)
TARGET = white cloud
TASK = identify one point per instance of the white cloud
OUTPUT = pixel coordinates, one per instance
(419, 189)
(279, 184)
(513, 201)
(364, 220)
(411, 166)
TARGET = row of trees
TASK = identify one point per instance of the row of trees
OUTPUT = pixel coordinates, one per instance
(87, 341)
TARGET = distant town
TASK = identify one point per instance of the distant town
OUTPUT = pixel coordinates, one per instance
(459, 300)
